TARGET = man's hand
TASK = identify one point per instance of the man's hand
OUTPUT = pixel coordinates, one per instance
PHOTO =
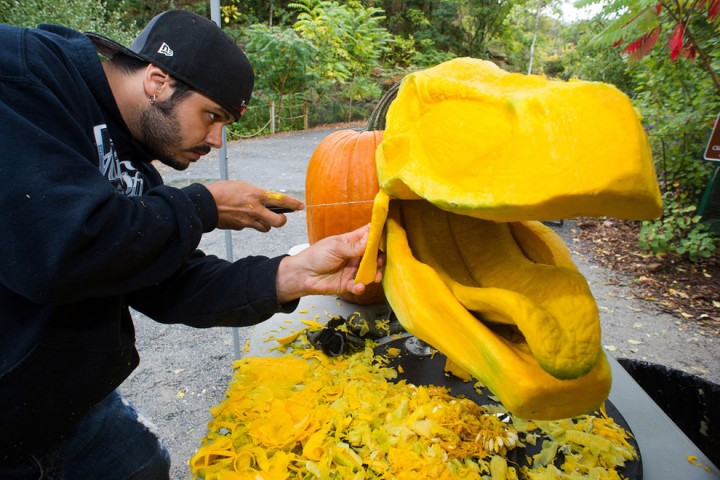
(242, 205)
(327, 267)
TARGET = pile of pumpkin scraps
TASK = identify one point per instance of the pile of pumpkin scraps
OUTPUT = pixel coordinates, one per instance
(306, 415)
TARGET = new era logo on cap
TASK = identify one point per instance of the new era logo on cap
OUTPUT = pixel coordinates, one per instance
(165, 50)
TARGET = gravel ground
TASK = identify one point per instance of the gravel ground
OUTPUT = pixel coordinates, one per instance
(185, 371)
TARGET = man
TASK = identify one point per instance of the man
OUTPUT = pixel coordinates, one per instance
(89, 230)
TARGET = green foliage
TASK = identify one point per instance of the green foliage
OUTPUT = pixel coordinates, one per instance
(362, 88)
(480, 21)
(672, 55)
(82, 15)
(587, 60)
(427, 56)
(403, 51)
(248, 12)
(280, 58)
(679, 105)
(687, 28)
(349, 39)
(410, 53)
(137, 13)
(630, 19)
(679, 231)
(443, 29)
(432, 24)
(515, 41)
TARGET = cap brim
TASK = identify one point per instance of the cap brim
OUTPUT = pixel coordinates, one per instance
(109, 48)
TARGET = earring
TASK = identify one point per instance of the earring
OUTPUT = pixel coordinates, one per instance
(153, 99)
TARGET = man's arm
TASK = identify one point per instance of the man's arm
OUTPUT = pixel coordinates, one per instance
(209, 291)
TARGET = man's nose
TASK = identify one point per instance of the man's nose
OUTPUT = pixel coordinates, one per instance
(215, 136)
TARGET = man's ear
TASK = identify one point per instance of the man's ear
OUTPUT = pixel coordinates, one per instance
(156, 82)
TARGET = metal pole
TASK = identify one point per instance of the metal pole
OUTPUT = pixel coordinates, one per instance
(272, 116)
(224, 175)
(532, 45)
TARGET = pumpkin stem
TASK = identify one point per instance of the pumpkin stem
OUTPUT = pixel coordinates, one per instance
(377, 116)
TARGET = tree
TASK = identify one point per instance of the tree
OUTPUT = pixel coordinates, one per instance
(480, 21)
(281, 61)
(423, 32)
(432, 23)
(679, 98)
(588, 60)
(529, 23)
(82, 15)
(690, 27)
(280, 58)
(350, 41)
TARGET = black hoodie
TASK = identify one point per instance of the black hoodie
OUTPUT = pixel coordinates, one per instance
(88, 230)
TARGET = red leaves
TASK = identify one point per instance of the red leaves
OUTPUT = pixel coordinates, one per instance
(678, 47)
(680, 42)
(676, 42)
(690, 50)
(713, 9)
(642, 46)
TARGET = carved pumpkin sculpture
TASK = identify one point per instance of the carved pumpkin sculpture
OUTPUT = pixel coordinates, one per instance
(471, 160)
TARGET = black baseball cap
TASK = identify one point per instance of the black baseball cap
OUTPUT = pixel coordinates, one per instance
(194, 50)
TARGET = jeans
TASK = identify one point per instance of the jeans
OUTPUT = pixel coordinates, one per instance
(112, 442)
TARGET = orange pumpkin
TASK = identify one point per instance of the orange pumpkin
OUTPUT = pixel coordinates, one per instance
(342, 171)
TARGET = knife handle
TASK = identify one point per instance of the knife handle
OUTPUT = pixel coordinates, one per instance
(276, 209)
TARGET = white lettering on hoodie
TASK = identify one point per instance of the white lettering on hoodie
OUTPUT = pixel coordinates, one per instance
(121, 173)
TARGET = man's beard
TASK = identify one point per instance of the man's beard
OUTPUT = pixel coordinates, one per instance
(161, 133)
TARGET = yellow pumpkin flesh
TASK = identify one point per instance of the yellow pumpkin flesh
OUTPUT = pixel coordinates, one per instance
(506, 366)
(487, 272)
(474, 139)
(471, 271)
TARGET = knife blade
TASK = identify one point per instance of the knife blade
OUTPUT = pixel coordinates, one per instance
(277, 209)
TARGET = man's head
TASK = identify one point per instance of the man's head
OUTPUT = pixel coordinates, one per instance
(193, 79)
(195, 51)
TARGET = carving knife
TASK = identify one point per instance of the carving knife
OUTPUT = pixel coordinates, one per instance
(276, 209)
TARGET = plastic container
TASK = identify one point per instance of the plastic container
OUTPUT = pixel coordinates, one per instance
(691, 402)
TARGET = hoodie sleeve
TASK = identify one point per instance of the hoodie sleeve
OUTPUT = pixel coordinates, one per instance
(67, 233)
(208, 291)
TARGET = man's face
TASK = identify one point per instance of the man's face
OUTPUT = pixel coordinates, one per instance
(179, 132)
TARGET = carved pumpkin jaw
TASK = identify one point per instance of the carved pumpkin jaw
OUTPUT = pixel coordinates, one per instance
(507, 364)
